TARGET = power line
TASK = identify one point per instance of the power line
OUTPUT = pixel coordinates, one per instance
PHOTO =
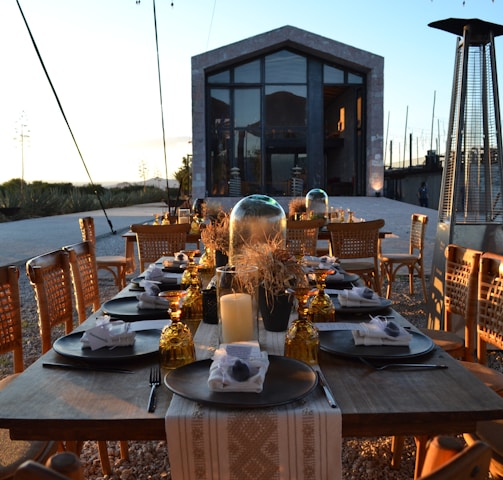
(64, 115)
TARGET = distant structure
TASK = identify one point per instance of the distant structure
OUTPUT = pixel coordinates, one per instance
(284, 112)
(470, 210)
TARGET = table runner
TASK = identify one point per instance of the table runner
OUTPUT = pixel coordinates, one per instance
(301, 440)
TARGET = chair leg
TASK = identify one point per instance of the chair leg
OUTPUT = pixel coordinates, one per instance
(411, 280)
(421, 447)
(104, 459)
(396, 450)
(124, 449)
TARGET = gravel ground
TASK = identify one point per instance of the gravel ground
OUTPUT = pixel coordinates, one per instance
(362, 458)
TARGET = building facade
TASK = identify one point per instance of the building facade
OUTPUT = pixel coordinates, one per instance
(284, 112)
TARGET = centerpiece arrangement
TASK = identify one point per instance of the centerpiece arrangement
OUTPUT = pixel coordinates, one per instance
(278, 270)
(215, 237)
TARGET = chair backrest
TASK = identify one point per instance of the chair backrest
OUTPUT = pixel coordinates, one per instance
(472, 463)
(87, 229)
(355, 240)
(85, 278)
(31, 470)
(417, 232)
(302, 236)
(51, 280)
(460, 291)
(490, 303)
(11, 338)
(155, 241)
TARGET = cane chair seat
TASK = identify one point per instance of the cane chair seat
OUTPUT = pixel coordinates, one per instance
(302, 236)
(391, 263)
(356, 245)
(155, 241)
(14, 452)
(117, 265)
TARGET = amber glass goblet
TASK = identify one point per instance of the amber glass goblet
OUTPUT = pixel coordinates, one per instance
(321, 308)
(176, 345)
(302, 339)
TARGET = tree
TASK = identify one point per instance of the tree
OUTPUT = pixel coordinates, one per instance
(184, 175)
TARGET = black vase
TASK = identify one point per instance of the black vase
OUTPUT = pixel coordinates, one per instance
(276, 312)
(221, 259)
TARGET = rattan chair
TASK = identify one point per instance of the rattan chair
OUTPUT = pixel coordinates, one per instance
(85, 278)
(460, 299)
(14, 452)
(490, 331)
(117, 265)
(51, 278)
(471, 463)
(356, 245)
(391, 263)
(155, 241)
(302, 236)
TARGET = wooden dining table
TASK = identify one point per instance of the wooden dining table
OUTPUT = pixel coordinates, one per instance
(76, 405)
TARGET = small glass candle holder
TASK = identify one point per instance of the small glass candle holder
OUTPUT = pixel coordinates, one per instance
(184, 215)
(237, 303)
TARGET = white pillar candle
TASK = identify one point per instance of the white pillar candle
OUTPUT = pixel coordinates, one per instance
(236, 314)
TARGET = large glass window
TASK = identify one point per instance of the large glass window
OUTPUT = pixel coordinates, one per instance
(258, 123)
(248, 72)
(285, 67)
(219, 139)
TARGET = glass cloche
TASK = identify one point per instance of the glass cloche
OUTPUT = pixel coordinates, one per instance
(256, 218)
(317, 203)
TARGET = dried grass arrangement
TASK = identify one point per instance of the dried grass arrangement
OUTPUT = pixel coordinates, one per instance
(296, 205)
(278, 269)
(215, 235)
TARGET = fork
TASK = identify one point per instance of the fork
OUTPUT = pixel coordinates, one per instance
(402, 365)
(155, 381)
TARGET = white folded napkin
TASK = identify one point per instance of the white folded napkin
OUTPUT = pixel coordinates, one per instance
(109, 334)
(149, 302)
(238, 367)
(381, 332)
(154, 273)
(358, 297)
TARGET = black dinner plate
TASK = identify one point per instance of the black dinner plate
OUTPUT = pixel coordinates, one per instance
(341, 342)
(385, 304)
(126, 308)
(146, 343)
(341, 283)
(286, 380)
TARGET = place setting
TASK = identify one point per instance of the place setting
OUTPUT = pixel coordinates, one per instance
(381, 338)
(112, 341)
(240, 375)
(358, 300)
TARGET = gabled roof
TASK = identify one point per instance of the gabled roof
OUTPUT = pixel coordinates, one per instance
(292, 38)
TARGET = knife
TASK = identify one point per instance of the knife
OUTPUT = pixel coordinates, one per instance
(89, 368)
(326, 389)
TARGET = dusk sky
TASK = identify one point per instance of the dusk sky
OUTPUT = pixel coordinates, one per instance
(101, 57)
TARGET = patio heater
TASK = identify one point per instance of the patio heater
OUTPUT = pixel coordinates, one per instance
(470, 211)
